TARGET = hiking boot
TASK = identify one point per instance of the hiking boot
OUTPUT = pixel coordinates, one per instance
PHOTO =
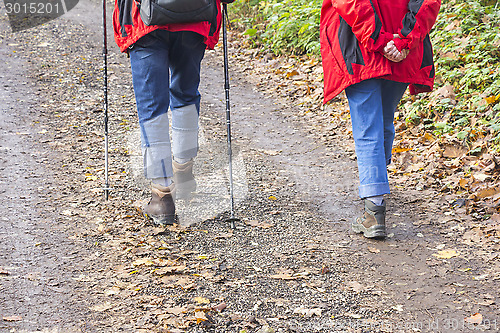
(184, 179)
(372, 222)
(161, 207)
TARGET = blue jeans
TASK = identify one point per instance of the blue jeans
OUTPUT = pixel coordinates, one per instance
(166, 73)
(372, 104)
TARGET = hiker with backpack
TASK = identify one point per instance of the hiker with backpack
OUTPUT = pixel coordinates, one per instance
(166, 49)
(374, 50)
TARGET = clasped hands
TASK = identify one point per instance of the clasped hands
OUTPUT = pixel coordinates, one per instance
(392, 53)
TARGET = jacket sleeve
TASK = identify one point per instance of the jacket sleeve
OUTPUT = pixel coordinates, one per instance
(365, 23)
(417, 23)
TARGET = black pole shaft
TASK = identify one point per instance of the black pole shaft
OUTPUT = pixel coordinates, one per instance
(228, 112)
(105, 56)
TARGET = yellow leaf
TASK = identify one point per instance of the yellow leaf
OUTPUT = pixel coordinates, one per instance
(291, 73)
(463, 182)
(396, 150)
(201, 300)
(491, 99)
(429, 137)
(446, 254)
(272, 197)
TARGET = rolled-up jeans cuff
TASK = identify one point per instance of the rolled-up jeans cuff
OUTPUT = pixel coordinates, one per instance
(156, 150)
(157, 161)
(185, 132)
(371, 190)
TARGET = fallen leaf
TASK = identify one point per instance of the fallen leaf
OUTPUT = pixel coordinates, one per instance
(170, 270)
(12, 318)
(288, 274)
(177, 310)
(453, 150)
(284, 276)
(397, 149)
(429, 137)
(272, 197)
(446, 254)
(272, 152)
(143, 261)
(480, 277)
(101, 307)
(353, 315)
(67, 212)
(224, 235)
(491, 99)
(219, 307)
(200, 316)
(476, 318)
(291, 73)
(398, 308)
(355, 286)
(481, 177)
(112, 291)
(255, 223)
(308, 312)
(201, 300)
(487, 192)
(91, 178)
(185, 283)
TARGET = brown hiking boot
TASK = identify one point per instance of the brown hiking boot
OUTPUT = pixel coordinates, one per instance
(372, 222)
(161, 207)
(184, 179)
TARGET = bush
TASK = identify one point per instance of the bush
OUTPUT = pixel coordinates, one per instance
(466, 40)
(284, 26)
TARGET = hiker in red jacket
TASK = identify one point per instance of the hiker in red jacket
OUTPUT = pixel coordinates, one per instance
(374, 49)
(165, 62)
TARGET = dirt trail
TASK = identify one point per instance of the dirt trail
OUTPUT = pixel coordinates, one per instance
(39, 261)
(77, 263)
(401, 274)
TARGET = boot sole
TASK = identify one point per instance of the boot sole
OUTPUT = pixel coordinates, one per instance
(161, 220)
(376, 231)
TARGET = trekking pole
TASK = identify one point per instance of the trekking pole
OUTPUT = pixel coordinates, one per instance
(232, 219)
(105, 56)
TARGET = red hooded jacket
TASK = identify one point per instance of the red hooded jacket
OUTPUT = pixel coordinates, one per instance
(128, 26)
(355, 32)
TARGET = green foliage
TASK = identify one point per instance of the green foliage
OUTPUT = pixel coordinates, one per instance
(466, 41)
(285, 26)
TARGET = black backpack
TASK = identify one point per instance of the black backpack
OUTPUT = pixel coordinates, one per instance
(159, 12)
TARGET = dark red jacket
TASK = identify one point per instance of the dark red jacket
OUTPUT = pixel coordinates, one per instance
(128, 26)
(355, 32)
